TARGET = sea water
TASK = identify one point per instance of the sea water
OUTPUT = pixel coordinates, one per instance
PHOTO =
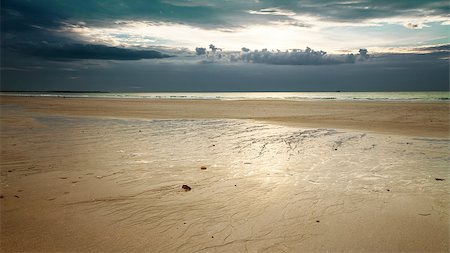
(363, 96)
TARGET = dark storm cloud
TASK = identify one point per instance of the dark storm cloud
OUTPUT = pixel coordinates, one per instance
(82, 51)
(351, 11)
(104, 11)
(28, 23)
(30, 28)
(19, 16)
(225, 14)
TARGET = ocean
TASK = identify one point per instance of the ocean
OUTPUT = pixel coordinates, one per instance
(368, 96)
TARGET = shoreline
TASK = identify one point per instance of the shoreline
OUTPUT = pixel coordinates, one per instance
(252, 96)
(411, 118)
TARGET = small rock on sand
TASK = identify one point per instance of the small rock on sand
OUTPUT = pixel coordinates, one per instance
(439, 179)
(186, 188)
(203, 168)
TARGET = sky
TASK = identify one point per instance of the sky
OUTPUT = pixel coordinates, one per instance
(224, 45)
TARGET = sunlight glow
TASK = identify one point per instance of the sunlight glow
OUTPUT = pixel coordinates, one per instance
(299, 31)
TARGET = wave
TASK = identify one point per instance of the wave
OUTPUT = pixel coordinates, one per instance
(292, 96)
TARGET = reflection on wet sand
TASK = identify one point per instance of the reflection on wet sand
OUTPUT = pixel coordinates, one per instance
(116, 185)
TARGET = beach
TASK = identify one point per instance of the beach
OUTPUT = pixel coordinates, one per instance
(106, 174)
(404, 118)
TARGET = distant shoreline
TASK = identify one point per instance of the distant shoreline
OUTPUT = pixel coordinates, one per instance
(429, 96)
(53, 91)
(225, 91)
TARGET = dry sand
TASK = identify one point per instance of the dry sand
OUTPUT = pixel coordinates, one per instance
(106, 175)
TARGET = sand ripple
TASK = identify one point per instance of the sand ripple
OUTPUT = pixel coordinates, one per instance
(116, 184)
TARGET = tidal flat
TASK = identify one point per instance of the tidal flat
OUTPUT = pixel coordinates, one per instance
(103, 180)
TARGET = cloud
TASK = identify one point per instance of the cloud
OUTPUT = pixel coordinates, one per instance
(412, 26)
(363, 54)
(214, 48)
(181, 3)
(74, 51)
(272, 11)
(291, 22)
(307, 56)
(425, 49)
(297, 57)
(30, 28)
(180, 24)
(200, 50)
(213, 55)
(445, 48)
(235, 13)
(11, 69)
(415, 25)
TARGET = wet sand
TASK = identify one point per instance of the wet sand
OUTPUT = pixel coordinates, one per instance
(106, 175)
(405, 118)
